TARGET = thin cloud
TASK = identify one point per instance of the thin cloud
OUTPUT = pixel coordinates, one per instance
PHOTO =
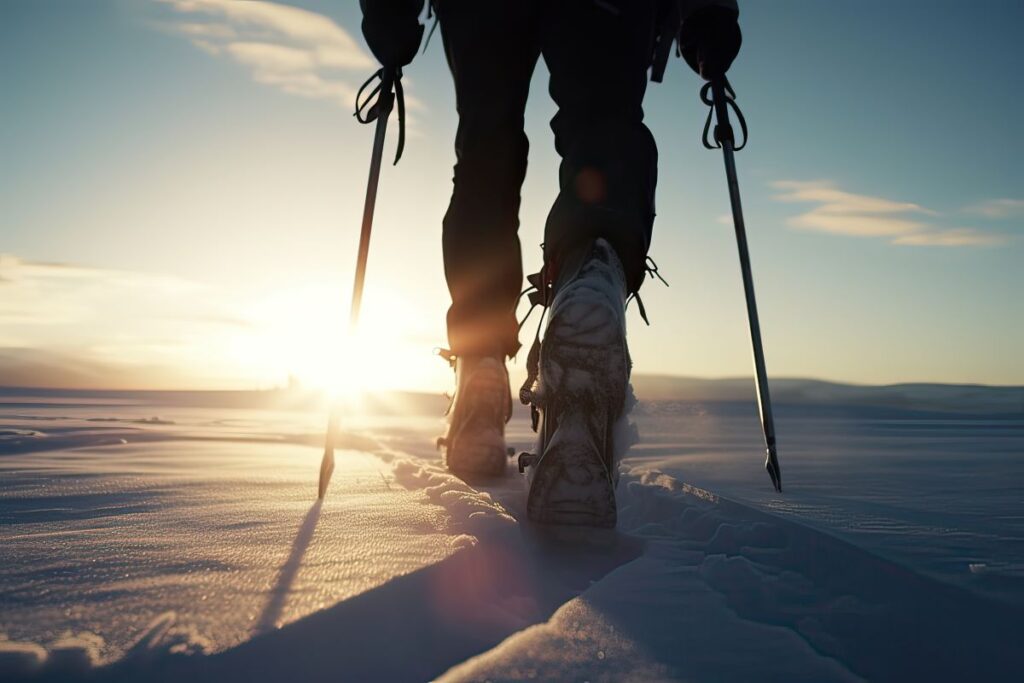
(856, 224)
(136, 327)
(297, 51)
(34, 293)
(14, 270)
(207, 31)
(956, 237)
(998, 208)
(839, 212)
(834, 200)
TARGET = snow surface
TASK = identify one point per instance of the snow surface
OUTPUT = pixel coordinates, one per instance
(189, 547)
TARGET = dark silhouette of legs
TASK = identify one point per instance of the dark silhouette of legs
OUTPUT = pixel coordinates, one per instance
(598, 55)
(492, 50)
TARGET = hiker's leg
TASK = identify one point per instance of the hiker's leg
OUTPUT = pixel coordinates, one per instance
(492, 49)
(598, 55)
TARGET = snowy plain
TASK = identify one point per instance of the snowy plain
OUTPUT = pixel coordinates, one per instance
(176, 536)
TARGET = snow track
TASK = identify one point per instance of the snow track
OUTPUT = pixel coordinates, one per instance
(409, 573)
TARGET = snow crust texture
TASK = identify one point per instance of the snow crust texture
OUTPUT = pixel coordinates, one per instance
(81, 655)
(184, 554)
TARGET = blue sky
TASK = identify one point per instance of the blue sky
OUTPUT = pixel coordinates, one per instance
(183, 181)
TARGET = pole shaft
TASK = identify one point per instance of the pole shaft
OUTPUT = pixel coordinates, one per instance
(720, 100)
(764, 404)
(384, 104)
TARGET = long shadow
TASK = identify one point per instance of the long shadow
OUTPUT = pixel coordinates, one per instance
(417, 626)
(289, 570)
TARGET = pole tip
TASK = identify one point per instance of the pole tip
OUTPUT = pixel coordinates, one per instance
(771, 464)
(326, 470)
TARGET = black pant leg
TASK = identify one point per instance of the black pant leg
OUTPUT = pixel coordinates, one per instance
(492, 49)
(598, 55)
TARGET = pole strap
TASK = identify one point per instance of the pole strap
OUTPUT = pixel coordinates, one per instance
(720, 97)
(377, 102)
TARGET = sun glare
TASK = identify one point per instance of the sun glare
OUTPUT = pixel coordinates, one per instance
(303, 334)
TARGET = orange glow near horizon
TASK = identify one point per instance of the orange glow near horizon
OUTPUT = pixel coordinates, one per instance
(303, 333)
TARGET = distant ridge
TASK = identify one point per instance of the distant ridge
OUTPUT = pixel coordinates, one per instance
(1004, 401)
(920, 396)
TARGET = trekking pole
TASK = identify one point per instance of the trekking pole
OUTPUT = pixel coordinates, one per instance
(721, 98)
(366, 111)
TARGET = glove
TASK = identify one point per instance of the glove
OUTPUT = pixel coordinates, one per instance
(710, 40)
(392, 30)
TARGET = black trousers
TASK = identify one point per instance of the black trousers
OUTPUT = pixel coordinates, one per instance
(598, 53)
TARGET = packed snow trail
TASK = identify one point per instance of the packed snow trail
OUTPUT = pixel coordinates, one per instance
(699, 588)
(430, 577)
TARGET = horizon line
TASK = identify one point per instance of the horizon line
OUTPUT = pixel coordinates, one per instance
(643, 376)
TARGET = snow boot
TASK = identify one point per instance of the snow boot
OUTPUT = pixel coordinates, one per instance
(475, 441)
(579, 393)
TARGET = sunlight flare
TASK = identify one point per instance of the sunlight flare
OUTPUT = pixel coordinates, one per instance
(302, 335)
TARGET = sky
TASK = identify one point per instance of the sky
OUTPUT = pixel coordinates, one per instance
(182, 185)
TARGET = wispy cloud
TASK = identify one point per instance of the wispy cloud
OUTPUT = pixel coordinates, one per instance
(69, 324)
(954, 237)
(114, 319)
(40, 293)
(998, 208)
(300, 52)
(839, 212)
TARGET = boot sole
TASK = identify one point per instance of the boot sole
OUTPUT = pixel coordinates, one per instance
(572, 482)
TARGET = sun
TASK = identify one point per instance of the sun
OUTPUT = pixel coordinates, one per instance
(304, 333)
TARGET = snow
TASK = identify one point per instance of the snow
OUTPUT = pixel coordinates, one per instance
(189, 547)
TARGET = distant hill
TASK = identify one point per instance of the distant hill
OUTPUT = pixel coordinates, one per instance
(45, 374)
(958, 398)
(918, 396)
(27, 367)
